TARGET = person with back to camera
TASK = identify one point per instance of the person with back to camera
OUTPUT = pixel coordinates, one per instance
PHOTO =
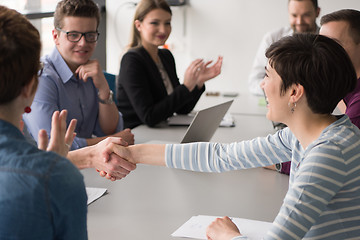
(73, 81)
(306, 76)
(148, 89)
(42, 194)
(302, 18)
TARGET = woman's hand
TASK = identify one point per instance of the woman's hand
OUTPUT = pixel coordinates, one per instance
(206, 73)
(192, 74)
(222, 229)
(61, 137)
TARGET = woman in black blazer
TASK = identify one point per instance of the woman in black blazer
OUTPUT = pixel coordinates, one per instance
(149, 90)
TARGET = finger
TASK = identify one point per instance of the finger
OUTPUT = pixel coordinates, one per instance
(42, 140)
(111, 146)
(62, 120)
(55, 132)
(70, 134)
(208, 63)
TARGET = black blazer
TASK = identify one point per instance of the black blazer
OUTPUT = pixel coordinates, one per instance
(141, 93)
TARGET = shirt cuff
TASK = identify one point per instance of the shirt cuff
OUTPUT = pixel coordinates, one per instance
(78, 143)
(120, 125)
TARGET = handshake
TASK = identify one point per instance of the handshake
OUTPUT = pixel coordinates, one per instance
(110, 157)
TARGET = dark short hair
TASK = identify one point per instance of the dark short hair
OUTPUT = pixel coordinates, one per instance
(316, 62)
(142, 9)
(314, 2)
(20, 48)
(75, 8)
(351, 16)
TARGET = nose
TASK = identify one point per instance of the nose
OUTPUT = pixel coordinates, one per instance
(82, 41)
(162, 28)
(262, 84)
(299, 20)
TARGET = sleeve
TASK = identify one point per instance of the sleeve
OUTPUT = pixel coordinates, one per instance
(195, 94)
(216, 157)
(44, 105)
(353, 110)
(257, 73)
(310, 193)
(68, 199)
(144, 92)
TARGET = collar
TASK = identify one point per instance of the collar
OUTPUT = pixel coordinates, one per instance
(7, 129)
(60, 66)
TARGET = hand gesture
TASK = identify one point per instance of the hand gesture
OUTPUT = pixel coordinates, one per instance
(61, 138)
(192, 74)
(222, 229)
(206, 73)
(107, 163)
(93, 69)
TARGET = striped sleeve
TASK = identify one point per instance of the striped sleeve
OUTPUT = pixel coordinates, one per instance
(217, 157)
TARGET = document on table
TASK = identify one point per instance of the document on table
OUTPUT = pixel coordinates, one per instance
(196, 226)
(94, 193)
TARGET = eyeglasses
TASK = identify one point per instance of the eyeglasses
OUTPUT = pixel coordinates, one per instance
(76, 36)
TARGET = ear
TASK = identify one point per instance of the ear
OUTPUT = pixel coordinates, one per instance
(297, 91)
(137, 24)
(56, 35)
(317, 12)
(29, 90)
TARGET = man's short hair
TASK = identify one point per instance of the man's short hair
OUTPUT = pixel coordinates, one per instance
(316, 62)
(75, 8)
(351, 16)
(20, 48)
(314, 2)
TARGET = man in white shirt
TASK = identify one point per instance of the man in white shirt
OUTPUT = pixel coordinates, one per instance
(302, 18)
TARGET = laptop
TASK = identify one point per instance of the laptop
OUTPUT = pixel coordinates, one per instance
(204, 124)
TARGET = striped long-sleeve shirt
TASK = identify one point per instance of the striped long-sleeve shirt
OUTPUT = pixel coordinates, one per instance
(323, 200)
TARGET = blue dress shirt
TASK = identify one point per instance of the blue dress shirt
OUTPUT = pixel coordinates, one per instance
(59, 89)
(42, 195)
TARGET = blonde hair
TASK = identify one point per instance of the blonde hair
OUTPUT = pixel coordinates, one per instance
(142, 9)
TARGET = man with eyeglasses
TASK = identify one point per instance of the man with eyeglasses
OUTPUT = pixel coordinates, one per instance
(70, 80)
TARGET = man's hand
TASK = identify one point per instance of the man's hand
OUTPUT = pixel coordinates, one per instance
(92, 69)
(126, 135)
(108, 164)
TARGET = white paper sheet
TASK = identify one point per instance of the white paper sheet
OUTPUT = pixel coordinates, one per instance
(196, 226)
(94, 193)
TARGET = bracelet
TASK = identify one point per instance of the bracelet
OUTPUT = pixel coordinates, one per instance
(110, 100)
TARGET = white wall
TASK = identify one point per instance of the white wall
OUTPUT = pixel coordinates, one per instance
(208, 28)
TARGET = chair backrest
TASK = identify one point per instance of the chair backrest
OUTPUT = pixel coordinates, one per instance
(111, 79)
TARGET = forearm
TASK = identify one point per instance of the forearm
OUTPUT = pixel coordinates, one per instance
(81, 158)
(151, 154)
(93, 141)
(108, 118)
